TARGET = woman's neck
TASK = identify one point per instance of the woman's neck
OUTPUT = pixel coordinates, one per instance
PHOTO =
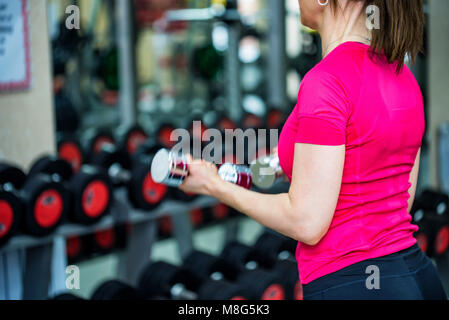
(348, 24)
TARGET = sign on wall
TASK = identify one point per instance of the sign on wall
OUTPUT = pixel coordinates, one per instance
(15, 64)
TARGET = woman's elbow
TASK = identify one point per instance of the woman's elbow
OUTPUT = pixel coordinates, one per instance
(310, 233)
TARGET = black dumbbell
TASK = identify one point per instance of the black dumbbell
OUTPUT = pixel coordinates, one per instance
(276, 245)
(164, 279)
(163, 135)
(116, 290)
(93, 141)
(131, 138)
(173, 282)
(258, 270)
(433, 201)
(255, 283)
(282, 250)
(90, 189)
(70, 150)
(132, 172)
(76, 249)
(107, 240)
(67, 297)
(11, 205)
(45, 201)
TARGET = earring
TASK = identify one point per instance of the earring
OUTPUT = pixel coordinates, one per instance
(325, 3)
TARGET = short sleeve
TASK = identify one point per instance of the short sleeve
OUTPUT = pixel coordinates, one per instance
(323, 110)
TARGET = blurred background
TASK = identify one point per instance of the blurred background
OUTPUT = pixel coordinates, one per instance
(111, 92)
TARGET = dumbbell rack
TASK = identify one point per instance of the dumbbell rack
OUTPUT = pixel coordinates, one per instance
(35, 268)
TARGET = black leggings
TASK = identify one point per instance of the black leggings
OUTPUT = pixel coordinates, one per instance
(405, 275)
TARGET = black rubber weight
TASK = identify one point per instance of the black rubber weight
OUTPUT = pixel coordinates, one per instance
(115, 290)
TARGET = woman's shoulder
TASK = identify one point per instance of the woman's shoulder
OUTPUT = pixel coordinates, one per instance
(345, 63)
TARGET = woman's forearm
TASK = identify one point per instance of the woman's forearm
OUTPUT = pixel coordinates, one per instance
(273, 211)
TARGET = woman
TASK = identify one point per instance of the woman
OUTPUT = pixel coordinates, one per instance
(351, 149)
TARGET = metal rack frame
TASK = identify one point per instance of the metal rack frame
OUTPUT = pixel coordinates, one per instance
(35, 268)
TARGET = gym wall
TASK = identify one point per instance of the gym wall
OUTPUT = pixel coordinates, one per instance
(26, 118)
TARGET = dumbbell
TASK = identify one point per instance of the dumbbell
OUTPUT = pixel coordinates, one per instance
(178, 283)
(266, 171)
(171, 169)
(163, 135)
(433, 201)
(283, 274)
(95, 139)
(116, 290)
(275, 119)
(429, 212)
(67, 297)
(107, 240)
(282, 250)
(276, 246)
(70, 150)
(89, 190)
(43, 200)
(76, 249)
(165, 226)
(256, 283)
(143, 192)
(131, 138)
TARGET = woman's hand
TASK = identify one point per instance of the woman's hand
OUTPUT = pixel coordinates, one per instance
(202, 177)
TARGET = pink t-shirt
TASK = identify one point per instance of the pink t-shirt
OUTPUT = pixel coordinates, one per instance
(349, 99)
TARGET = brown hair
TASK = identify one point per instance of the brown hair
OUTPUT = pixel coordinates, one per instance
(401, 29)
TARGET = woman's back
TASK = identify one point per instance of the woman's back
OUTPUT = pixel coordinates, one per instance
(378, 114)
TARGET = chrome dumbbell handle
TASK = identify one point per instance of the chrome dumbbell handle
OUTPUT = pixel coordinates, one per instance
(239, 175)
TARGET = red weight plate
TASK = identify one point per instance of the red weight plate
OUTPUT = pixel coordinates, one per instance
(70, 152)
(135, 140)
(6, 217)
(95, 198)
(220, 211)
(100, 141)
(251, 121)
(422, 241)
(274, 292)
(105, 238)
(442, 240)
(199, 134)
(48, 208)
(73, 246)
(164, 137)
(298, 293)
(274, 119)
(196, 216)
(226, 123)
(153, 192)
(166, 224)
